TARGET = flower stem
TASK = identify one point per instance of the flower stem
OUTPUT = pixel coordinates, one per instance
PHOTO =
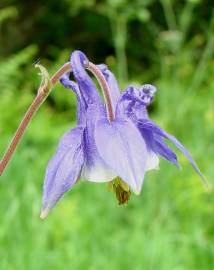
(41, 96)
(43, 93)
(105, 89)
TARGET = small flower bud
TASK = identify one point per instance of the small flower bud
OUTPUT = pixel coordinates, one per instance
(46, 85)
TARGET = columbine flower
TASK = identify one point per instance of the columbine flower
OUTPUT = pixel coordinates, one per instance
(132, 104)
(117, 147)
(77, 155)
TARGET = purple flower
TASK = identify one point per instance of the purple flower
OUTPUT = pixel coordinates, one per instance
(132, 104)
(77, 154)
(119, 151)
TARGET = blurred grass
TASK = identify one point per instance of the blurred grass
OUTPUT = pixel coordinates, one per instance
(169, 226)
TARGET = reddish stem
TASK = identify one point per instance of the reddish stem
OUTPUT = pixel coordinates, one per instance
(41, 96)
(105, 89)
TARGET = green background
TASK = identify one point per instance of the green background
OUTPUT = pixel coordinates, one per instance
(170, 225)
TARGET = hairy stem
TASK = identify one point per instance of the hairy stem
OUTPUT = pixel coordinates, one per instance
(105, 89)
(43, 93)
(41, 96)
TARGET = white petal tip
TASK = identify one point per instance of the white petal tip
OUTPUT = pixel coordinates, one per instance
(137, 192)
(44, 213)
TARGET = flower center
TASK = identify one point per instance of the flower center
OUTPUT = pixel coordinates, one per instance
(121, 190)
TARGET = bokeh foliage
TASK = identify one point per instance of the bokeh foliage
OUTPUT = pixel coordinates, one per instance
(168, 43)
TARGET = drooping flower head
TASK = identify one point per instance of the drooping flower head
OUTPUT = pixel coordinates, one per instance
(118, 150)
